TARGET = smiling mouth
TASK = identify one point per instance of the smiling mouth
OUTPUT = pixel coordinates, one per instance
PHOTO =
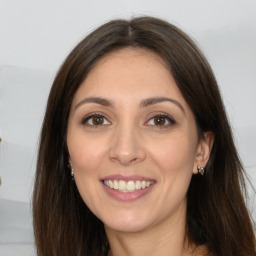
(127, 186)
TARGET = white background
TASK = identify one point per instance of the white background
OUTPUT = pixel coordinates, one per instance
(36, 36)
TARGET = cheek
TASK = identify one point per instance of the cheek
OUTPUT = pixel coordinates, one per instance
(86, 152)
(174, 154)
(175, 161)
(86, 157)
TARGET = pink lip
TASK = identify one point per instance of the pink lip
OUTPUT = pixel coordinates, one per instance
(126, 178)
(128, 196)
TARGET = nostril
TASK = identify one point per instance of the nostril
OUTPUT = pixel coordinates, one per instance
(126, 147)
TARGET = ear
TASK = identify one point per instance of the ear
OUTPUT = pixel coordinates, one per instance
(203, 151)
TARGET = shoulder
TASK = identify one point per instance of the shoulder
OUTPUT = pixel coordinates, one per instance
(202, 250)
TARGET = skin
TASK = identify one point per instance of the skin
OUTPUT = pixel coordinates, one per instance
(128, 140)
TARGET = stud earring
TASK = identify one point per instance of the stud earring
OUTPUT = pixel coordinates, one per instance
(200, 170)
(71, 170)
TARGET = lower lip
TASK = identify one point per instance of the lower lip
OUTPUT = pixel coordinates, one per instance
(127, 196)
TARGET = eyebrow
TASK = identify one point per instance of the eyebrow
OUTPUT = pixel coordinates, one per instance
(98, 100)
(155, 100)
(144, 103)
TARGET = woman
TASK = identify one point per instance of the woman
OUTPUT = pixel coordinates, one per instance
(136, 154)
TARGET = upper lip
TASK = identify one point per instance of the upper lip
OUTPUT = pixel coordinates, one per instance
(126, 178)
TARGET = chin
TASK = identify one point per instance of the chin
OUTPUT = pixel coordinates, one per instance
(127, 223)
(126, 228)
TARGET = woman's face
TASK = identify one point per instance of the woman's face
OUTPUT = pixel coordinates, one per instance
(133, 142)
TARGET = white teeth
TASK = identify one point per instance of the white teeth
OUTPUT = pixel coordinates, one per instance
(130, 186)
(138, 184)
(115, 184)
(127, 186)
(122, 185)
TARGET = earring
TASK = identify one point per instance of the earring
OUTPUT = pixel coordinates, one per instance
(71, 170)
(200, 170)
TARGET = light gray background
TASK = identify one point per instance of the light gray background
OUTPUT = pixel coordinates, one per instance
(36, 36)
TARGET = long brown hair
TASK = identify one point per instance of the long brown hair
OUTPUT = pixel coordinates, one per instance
(216, 214)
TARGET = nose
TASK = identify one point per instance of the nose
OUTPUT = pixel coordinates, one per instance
(127, 146)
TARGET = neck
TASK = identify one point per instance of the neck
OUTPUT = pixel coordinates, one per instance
(166, 238)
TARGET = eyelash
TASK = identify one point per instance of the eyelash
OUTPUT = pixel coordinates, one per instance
(86, 119)
(166, 117)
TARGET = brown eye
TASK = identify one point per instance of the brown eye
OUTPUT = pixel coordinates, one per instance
(95, 120)
(159, 120)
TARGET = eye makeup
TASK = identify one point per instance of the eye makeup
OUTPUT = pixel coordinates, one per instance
(95, 120)
(157, 120)
(160, 121)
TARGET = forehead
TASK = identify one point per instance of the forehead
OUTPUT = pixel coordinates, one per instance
(128, 57)
(129, 73)
(131, 53)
